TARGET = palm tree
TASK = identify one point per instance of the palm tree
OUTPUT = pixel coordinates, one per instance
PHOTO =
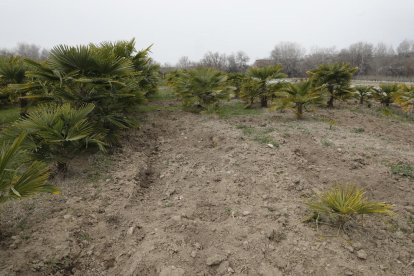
(12, 71)
(405, 98)
(264, 75)
(298, 95)
(250, 90)
(58, 132)
(18, 179)
(335, 78)
(202, 87)
(104, 75)
(363, 92)
(386, 92)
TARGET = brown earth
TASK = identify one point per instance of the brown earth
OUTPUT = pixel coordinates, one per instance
(200, 195)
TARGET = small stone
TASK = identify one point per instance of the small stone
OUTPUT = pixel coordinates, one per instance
(350, 248)
(246, 213)
(67, 216)
(348, 272)
(131, 230)
(222, 269)
(215, 259)
(197, 245)
(357, 245)
(383, 267)
(399, 235)
(362, 254)
(271, 146)
(230, 270)
(176, 218)
(172, 271)
(107, 180)
(193, 254)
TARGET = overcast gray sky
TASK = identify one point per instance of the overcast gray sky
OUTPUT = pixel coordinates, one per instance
(193, 27)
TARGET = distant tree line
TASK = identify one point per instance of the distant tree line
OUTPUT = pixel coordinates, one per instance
(237, 62)
(31, 51)
(380, 60)
(373, 60)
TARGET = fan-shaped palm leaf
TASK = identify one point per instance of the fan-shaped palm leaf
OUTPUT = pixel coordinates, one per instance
(19, 180)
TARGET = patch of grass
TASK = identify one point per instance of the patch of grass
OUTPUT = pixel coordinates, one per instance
(358, 130)
(154, 107)
(402, 169)
(327, 143)
(247, 130)
(100, 163)
(263, 138)
(234, 108)
(389, 112)
(260, 136)
(163, 93)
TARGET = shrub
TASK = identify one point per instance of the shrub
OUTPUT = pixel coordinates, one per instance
(344, 202)
(18, 178)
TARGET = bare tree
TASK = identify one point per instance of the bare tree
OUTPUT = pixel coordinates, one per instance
(406, 47)
(358, 54)
(28, 50)
(214, 60)
(319, 56)
(237, 62)
(184, 63)
(288, 54)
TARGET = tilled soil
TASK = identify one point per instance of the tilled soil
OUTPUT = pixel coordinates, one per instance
(196, 194)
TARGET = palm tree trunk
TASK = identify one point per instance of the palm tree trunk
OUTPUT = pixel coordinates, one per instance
(331, 100)
(23, 107)
(299, 111)
(263, 101)
(361, 100)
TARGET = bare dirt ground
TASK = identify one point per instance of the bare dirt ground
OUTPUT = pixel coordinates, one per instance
(201, 195)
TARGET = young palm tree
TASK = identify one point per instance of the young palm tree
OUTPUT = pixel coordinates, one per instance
(12, 71)
(264, 75)
(335, 78)
(236, 79)
(405, 98)
(18, 179)
(386, 92)
(363, 92)
(298, 95)
(103, 75)
(58, 132)
(250, 90)
(202, 87)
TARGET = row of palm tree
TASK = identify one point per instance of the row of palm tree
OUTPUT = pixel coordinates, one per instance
(266, 84)
(80, 99)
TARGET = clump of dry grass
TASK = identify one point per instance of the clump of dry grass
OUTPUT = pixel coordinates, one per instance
(342, 203)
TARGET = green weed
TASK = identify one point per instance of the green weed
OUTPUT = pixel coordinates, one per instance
(402, 169)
